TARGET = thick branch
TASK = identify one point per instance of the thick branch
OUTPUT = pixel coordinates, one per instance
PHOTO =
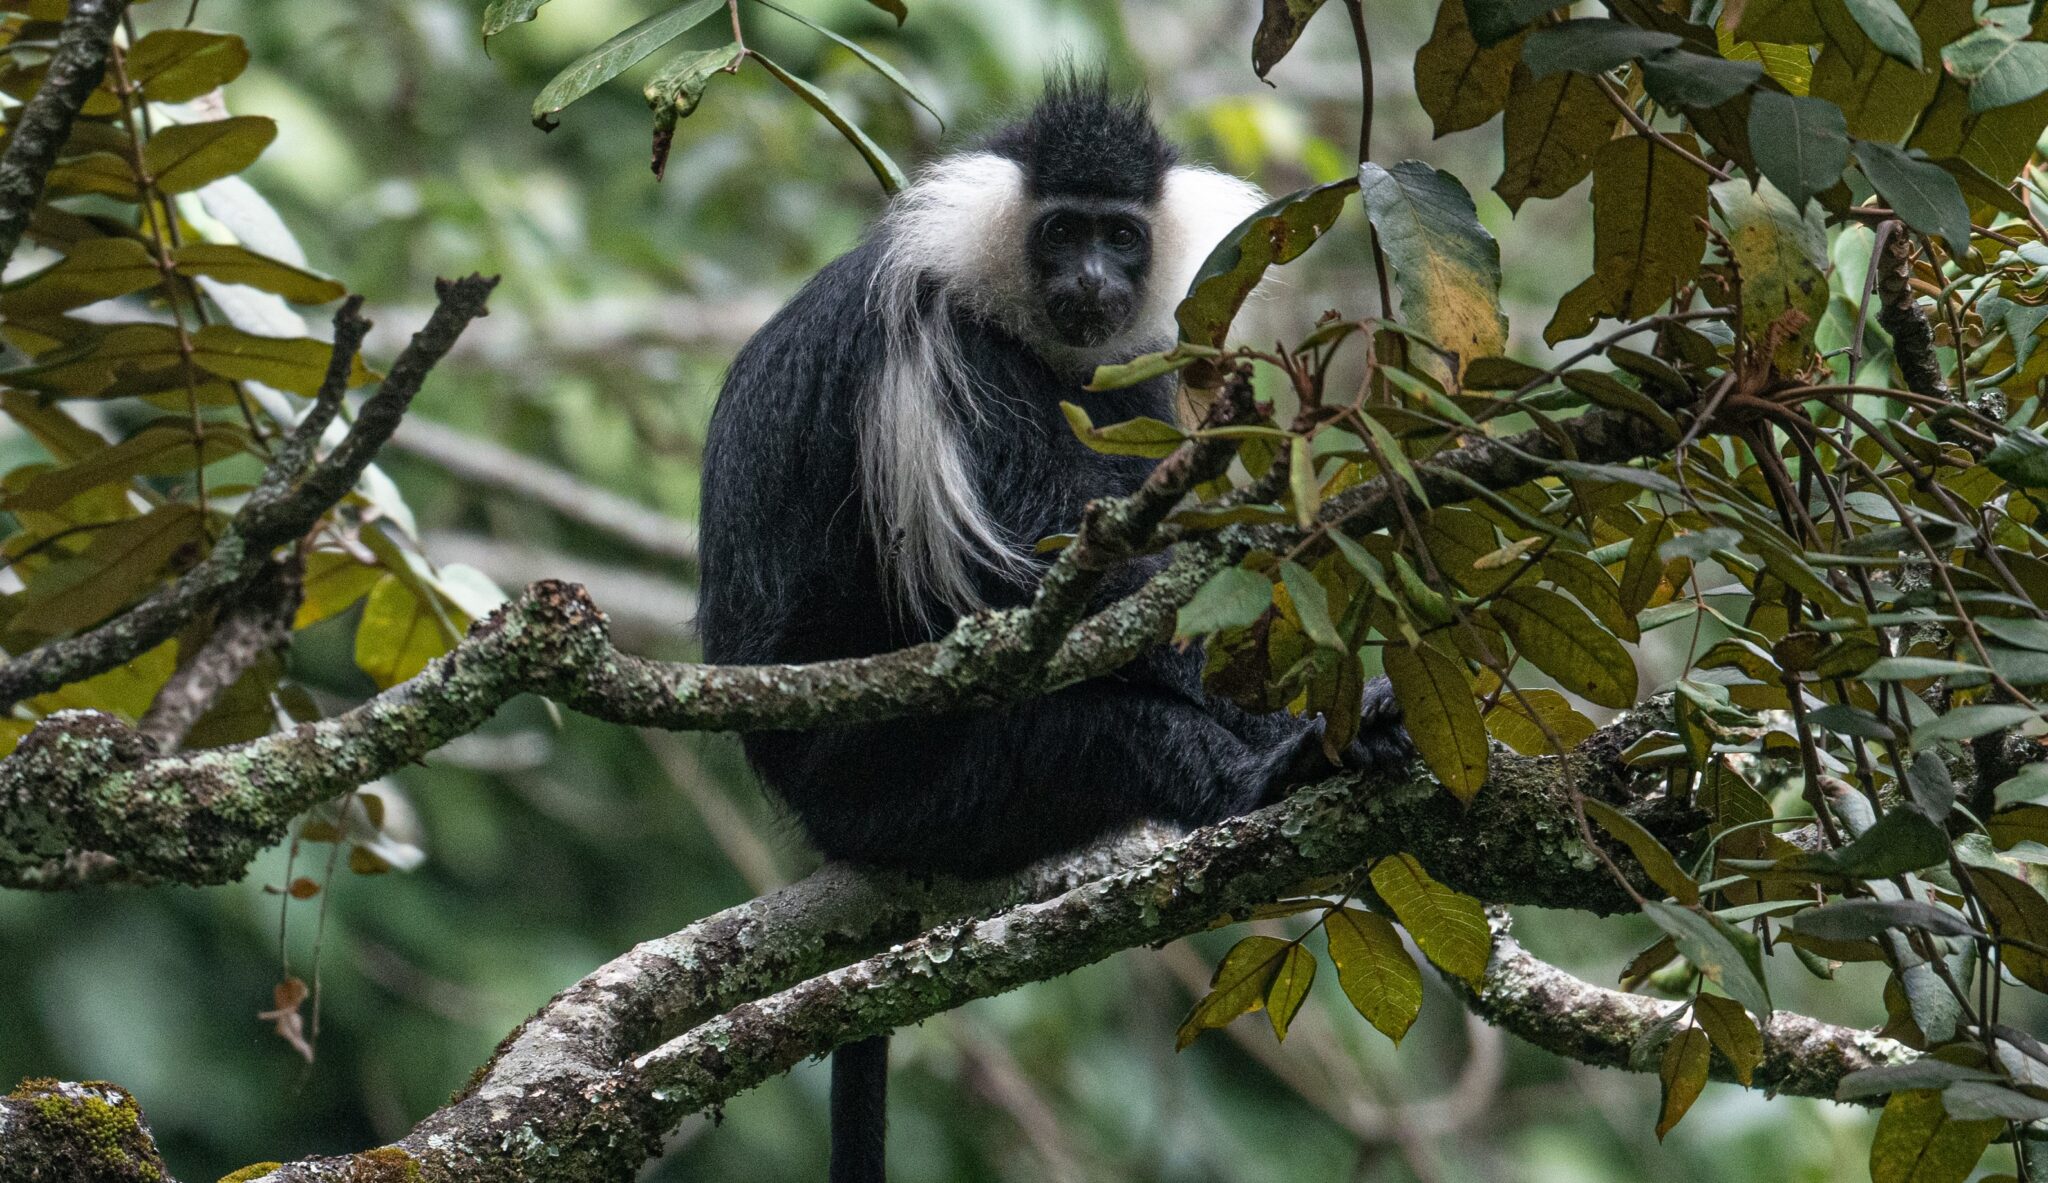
(585, 1089)
(256, 622)
(1593, 1025)
(286, 504)
(38, 130)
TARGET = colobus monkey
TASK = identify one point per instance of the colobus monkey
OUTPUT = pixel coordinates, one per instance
(883, 456)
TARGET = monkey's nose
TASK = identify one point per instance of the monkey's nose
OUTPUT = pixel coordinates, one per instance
(1089, 282)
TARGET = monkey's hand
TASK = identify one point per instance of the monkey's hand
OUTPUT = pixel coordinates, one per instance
(1381, 742)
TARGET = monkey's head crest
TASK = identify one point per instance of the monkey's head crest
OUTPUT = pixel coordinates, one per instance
(1083, 140)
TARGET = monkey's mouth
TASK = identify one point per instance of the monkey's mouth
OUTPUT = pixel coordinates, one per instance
(1081, 321)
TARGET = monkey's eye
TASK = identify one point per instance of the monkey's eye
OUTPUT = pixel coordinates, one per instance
(1058, 231)
(1123, 237)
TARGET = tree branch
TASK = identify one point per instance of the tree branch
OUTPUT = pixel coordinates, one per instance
(1593, 1025)
(38, 129)
(491, 465)
(290, 498)
(256, 622)
(586, 1087)
(1899, 313)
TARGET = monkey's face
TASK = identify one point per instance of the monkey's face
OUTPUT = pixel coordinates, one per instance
(1090, 266)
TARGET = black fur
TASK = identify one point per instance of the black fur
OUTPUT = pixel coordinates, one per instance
(791, 574)
(1081, 140)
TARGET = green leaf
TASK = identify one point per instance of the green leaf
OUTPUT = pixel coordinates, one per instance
(615, 57)
(186, 156)
(885, 170)
(1682, 1073)
(1925, 1073)
(1146, 367)
(1441, 714)
(1855, 920)
(94, 270)
(1232, 598)
(1650, 854)
(874, 63)
(1971, 722)
(178, 65)
(1312, 605)
(1782, 256)
(2021, 457)
(1279, 28)
(1460, 84)
(1681, 79)
(1917, 1141)
(2000, 68)
(1919, 191)
(1912, 669)
(1888, 29)
(2030, 783)
(893, 8)
(1724, 955)
(1277, 234)
(1903, 840)
(1733, 1032)
(1649, 223)
(677, 88)
(1445, 263)
(1592, 46)
(1494, 21)
(500, 15)
(1142, 436)
(1243, 979)
(1448, 926)
(1881, 97)
(1802, 145)
(2017, 913)
(235, 264)
(1550, 131)
(1375, 971)
(1291, 981)
(1558, 637)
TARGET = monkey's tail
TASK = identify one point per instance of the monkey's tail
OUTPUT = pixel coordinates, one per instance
(860, 1110)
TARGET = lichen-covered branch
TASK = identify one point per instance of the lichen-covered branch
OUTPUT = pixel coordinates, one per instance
(585, 1089)
(286, 504)
(36, 130)
(1590, 1024)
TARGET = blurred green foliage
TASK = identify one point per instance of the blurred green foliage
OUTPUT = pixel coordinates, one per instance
(552, 844)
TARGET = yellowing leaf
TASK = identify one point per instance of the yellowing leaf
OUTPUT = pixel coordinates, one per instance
(1650, 854)
(178, 65)
(1373, 968)
(1649, 223)
(122, 563)
(1277, 234)
(1683, 1075)
(297, 364)
(1445, 263)
(1449, 926)
(1558, 637)
(398, 635)
(234, 264)
(1781, 255)
(1291, 981)
(334, 581)
(1732, 1031)
(1513, 721)
(1457, 82)
(1917, 1141)
(1553, 126)
(163, 448)
(1242, 981)
(1441, 714)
